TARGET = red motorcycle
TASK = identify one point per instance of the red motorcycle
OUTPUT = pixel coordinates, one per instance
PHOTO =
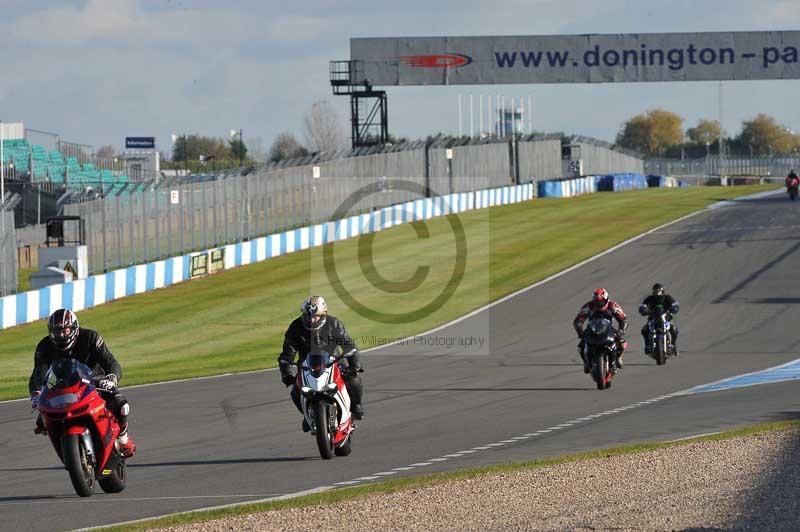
(82, 429)
(792, 185)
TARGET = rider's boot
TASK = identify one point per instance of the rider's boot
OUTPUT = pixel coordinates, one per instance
(126, 444)
(586, 366)
(39, 428)
(305, 426)
(357, 410)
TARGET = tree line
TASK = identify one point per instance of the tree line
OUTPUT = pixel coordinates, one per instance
(660, 133)
(322, 129)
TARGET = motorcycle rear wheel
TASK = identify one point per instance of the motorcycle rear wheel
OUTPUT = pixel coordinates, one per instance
(323, 435)
(115, 482)
(346, 448)
(81, 473)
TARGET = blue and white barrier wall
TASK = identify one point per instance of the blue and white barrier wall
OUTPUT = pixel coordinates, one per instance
(567, 188)
(620, 182)
(78, 295)
(664, 181)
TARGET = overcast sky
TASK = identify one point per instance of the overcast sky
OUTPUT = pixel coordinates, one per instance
(97, 71)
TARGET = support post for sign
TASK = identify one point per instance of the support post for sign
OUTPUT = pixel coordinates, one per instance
(460, 129)
(427, 169)
(448, 153)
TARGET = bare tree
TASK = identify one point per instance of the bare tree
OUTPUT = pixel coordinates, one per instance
(105, 152)
(322, 128)
(256, 149)
(286, 146)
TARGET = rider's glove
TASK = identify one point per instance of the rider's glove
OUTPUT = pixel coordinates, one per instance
(35, 399)
(108, 383)
(286, 375)
(355, 370)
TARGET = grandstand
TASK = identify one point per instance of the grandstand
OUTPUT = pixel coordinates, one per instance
(34, 161)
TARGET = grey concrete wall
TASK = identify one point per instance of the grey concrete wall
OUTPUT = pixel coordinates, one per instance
(601, 160)
(539, 160)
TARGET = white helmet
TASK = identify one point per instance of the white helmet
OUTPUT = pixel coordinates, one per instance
(314, 312)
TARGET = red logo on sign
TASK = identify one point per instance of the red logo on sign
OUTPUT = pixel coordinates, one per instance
(436, 60)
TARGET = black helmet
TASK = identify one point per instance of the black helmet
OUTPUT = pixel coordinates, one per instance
(792, 174)
(658, 289)
(63, 328)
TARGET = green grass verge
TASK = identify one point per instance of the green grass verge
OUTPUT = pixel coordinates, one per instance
(24, 278)
(395, 485)
(235, 321)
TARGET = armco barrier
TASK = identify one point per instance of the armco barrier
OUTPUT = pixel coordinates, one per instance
(566, 188)
(38, 304)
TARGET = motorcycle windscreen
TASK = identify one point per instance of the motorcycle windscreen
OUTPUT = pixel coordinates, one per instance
(659, 322)
(599, 331)
(316, 363)
(67, 372)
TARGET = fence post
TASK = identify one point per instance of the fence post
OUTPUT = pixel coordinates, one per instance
(204, 216)
(118, 210)
(145, 221)
(156, 222)
(132, 256)
(192, 214)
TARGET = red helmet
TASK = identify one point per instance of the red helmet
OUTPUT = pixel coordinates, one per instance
(600, 298)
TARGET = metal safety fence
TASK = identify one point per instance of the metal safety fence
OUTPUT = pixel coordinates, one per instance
(727, 166)
(8, 249)
(147, 222)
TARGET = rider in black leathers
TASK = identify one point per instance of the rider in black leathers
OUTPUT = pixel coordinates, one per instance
(66, 339)
(315, 325)
(659, 297)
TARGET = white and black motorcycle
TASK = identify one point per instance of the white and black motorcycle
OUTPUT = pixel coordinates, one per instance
(326, 403)
(660, 337)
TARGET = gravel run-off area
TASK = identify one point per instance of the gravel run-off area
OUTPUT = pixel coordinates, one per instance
(745, 483)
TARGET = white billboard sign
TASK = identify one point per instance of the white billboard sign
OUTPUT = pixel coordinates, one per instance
(577, 58)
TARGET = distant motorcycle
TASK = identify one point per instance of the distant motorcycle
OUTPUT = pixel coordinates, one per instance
(326, 403)
(82, 430)
(659, 326)
(601, 350)
(791, 187)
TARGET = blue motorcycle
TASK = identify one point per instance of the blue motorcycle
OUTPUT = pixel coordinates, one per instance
(660, 339)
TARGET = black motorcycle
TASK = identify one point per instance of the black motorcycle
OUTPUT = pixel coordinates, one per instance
(600, 349)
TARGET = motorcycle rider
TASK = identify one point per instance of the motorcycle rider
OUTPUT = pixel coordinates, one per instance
(66, 339)
(602, 305)
(659, 297)
(315, 325)
(792, 180)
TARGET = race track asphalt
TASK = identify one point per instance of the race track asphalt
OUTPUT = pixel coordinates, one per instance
(735, 270)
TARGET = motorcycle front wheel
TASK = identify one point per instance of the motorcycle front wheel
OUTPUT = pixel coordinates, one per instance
(599, 371)
(323, 434)
(661, 349)
(81, 472)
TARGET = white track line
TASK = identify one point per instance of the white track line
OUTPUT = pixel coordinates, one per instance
(520, 439)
